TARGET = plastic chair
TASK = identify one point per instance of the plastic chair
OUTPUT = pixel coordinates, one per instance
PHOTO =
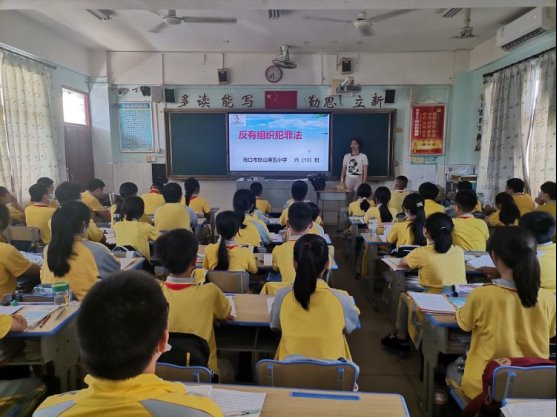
(23, 237)
(170, 372)
(307, 373)
(229, 281)
(524, 382)
(187, 350)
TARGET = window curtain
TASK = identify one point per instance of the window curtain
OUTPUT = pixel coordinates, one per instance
(27, 141)
(519, 126)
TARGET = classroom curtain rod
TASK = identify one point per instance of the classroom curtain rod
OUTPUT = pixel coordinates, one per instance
(489, 74)
(23, 55)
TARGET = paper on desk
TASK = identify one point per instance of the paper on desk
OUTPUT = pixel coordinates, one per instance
(481, 261)
(393, 263)
(273, 220)
(233, 310)
(276, 237)
(230, 401)
(538, 408)
(125, 262)
(9, 310)
(200, 390)
(270, 301)
(432, 303)
(267, 259)
(36, 313)
(110, 239)
(33, 257)
(356, 219)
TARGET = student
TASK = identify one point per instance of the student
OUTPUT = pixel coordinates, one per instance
(253, 231)
(299, 192)
(410, 231)
(524, 202)
(312, 317)
(69, 191)
(192, 199)
(363, 202)
(153, 199)
(299, 222)
(511, 318)
(192, 307)
(17, 215)
(120, 355)
(39, 213)
(399, 193)
(228, 255)
(440, 265)
(469, 233)
(172, 215)
(429, 192)
(507, 213)
(261, 204)
(315, 229)
(381, 210)
(49, 184)
(546, 198)
(127, 189)
(91, 196)
(542, 226)
(130, 231)
(467, 185)
(13, 265)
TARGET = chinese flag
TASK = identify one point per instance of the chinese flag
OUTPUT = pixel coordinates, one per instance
(281, 99)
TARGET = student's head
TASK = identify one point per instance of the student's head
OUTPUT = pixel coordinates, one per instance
(439, 228)
(192, 187)
(513, 250)
(548, 191)
(96, 187)
(508, 210)
(311, 258)
(128, 189)
(68, 221)
(364, 192)
(48, 183)
(132, 208)
(67, 191)
(314, 211)
(401, 182)
(356, 145)
(540, 224)
(243, 202)
(38, 193)
(299, 217)
(429, 191)
(122, 325)
(299, 190)
(464, 185)
(515, 185)
(4, 217)
(465, 201)
(382, 198)
(413, 206)
(156, 187)
(177, 251)
(228, 225)
(172, 193)
(5, 195)
(256, 188)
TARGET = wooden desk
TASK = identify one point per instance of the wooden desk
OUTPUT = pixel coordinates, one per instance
(355, 223)
(373, 242)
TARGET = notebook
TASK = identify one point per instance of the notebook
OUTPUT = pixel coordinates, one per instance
(432, 303)
(481, 261)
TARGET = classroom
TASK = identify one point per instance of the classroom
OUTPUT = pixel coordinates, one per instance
(273, 208)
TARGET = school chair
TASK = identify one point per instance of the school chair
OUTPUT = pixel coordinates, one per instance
(186, 350)
(23, 237)
(307, 373)
(20, 397)
(196, 374)
(230, 281)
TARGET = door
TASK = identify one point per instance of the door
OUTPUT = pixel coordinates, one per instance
(77, 137)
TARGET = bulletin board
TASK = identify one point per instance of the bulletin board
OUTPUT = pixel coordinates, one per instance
(135, 120)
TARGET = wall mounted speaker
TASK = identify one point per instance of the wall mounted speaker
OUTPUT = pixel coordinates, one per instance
(389, 96)
(223, 75)
(169, 96)
(158, 172)
(346, 66)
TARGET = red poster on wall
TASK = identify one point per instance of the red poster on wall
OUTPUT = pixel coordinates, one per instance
(427, 136)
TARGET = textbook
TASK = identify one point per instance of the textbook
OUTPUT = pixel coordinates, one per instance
(481, 261)
(231, 402)
(432, 303)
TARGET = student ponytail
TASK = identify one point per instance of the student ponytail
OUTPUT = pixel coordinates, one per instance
(68, 221)
(508, 212)
(382, 198)
(440, 228)
(243, 202)
(191, 186)
(414, 203)
(516, 247)
(364, 192)
(228, 225)
(311, 255)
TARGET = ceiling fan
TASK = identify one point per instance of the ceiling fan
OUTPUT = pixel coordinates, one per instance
(169, 18)
(467, 31)
(362, 23)
(283, 58)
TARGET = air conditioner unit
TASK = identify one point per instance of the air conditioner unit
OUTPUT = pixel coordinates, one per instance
(526, 27)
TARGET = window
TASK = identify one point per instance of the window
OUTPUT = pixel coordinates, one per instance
(75, 107)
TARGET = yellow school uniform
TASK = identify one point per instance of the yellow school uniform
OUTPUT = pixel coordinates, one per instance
(93, 232)
(524, 202)
(431, 206)
(124, 398)
(401, 234)
(470, 233)
(316, 229)
(198, 204)
(192, 309)
(152, 202)
(354, 207)
(12, 265)
(283, 259)
(438, 270)
(5, 324)
(83, 273)
(16, 216)
(501, 327)
(478, 208)
(263, 205)
(38, 215)
(494, 220)
(548, 208)
(136, 234)
(317, 332)
(547, 265)
(91, 201)
(374, 212)
(249, 235)
(143, 219)
(284, 217)
(172, 216)
(239, 258)
(260, 225)
(397, 197)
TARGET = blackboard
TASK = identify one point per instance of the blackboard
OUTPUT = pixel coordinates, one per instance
(196, 142)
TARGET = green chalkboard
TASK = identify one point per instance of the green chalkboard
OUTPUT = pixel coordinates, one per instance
(375, 130)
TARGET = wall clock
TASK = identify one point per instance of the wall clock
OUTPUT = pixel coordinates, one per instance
(273, 74)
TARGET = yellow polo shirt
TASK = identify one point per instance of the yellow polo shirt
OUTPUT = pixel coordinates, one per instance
(39, 215)
(263, 205)
(401, 234)
(239, 258)
(374, 212)
(5, 324)
(172, 216)
(438, 270)
(494, 220)
(283, 259)
(431, 206)
(547, 266)
(478, 208)
(91, 201)
(548, 208)
(83, 273)
(124, 398)
(470, 233)
(15, 215)
(284, 217)
(193, 308)
(354, 207)
(12, 265)
(144, 218)
(152, 202)
(524, 202)
(136, 234)
(248, 235)
(260, 225)
(397, 197)
(198, 204)
(501, 327)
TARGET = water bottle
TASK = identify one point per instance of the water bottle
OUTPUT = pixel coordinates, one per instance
(372, 226)
(62, 293)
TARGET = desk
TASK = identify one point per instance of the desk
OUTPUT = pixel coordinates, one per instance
(355, 223)
(340, 197)
(373, 242)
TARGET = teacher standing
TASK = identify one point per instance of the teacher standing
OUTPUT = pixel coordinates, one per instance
(354, 166)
